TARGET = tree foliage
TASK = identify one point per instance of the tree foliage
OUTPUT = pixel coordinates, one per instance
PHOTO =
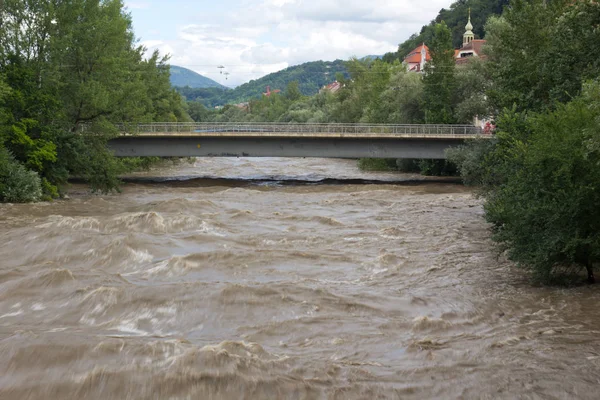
(545, 212)
(540, 52)
(17, 183)
(472, 81)
(539, 176)
(71, 70)
(439, 80)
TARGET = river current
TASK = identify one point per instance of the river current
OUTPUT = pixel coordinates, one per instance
(272, 288)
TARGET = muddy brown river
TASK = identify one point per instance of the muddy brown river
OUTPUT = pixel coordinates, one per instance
(271, 289)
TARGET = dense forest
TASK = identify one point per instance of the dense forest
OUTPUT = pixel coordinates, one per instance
(311, 77)
(69, 71)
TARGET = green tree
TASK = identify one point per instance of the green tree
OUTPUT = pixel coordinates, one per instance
(541, 52)
(472, 83)
(74, 71)
(402, 100)
(360, 99)
(197, 111)
(17, 183)
(439, 79)
(546, 212)
(162, 102)
(374, 84)
(293, 93)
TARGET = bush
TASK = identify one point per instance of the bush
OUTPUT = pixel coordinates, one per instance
(377, 164)
(437, 168)
(424, 167)
(17, 183)
(541, 187)
(470, 158)
(408, 165)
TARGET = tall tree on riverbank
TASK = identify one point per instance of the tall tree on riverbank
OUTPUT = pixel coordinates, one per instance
(75, 64)
(546, 211)
(539, 176)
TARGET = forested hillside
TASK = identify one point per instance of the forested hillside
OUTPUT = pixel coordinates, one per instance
(184, 77)
(455, 17)
(310, 76)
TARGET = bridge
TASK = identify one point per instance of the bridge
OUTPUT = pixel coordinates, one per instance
(290, 140)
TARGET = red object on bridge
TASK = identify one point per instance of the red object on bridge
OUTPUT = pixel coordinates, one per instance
(489, 128)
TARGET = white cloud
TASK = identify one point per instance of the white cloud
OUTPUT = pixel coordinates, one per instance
(400, 11)
(262, 37)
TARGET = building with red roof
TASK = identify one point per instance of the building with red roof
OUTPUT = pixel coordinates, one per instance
(415, 61)
(332, 87)
(269, 92)
(472, 49)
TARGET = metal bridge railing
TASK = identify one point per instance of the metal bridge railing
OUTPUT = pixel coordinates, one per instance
(283, 128)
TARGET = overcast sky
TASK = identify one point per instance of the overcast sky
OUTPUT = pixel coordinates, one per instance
(254, 38)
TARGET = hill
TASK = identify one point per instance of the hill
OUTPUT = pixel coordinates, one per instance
(311, 76)
(371, 58)
(456, 18)
(184, 77)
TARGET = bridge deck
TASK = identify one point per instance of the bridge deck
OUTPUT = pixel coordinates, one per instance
(303, 130)
(290, 140)
(310, 135)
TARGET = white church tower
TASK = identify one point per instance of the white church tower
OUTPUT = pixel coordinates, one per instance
(469, 36)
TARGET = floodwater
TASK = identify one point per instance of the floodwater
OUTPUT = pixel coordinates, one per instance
(228, 289)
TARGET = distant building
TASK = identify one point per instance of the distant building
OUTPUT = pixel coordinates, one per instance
(470, 47)
(415, 61)
(331, 88)
(269, 93)
(243, 106)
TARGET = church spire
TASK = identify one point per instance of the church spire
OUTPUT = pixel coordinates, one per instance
(469, 26)
(469, 35)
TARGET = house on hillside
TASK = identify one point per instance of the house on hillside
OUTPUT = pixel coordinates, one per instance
(269, 93)
(415, 61)
(243, 106)
(332, 87)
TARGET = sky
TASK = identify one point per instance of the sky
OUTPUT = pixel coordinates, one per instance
(251, 39)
